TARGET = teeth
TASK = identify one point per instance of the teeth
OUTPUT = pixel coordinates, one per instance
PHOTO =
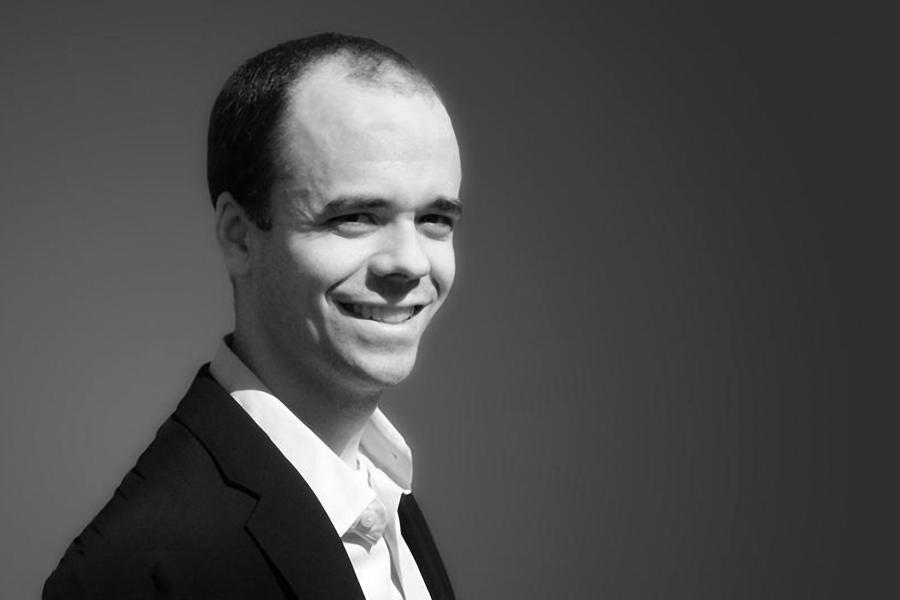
(382, 314)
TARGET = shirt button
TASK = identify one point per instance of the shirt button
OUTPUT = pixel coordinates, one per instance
(371, 523)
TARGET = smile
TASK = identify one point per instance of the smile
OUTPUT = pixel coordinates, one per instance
(382, 313)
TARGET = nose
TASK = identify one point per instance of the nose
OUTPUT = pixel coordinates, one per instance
(401, 255)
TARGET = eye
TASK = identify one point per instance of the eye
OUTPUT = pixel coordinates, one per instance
(437, 225)
(352, 223)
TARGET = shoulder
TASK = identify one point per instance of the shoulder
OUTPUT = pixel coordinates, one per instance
(171, 511)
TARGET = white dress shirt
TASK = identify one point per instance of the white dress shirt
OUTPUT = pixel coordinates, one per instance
(359, 502)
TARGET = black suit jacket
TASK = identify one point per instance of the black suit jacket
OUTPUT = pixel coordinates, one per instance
(213, 510)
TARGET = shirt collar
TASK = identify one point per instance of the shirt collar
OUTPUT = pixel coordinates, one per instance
(343, 492)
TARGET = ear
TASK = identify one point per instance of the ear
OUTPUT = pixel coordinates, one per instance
(233, 229)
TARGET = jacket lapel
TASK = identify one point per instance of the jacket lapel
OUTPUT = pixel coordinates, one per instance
(421, 545)
(289, 525)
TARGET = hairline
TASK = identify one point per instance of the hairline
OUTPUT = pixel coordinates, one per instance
(391, 76)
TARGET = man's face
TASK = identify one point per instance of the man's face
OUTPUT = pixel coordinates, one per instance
(360, 254)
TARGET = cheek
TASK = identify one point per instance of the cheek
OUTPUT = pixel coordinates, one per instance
(443, 266)
(325, 262)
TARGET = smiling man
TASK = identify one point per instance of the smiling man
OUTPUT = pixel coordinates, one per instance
(335, 174)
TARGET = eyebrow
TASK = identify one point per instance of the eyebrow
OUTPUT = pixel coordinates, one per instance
(451, 206)
(350, 204)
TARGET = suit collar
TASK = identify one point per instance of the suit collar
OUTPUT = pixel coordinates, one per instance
(380, 441)
(343, 492)
(287, 522)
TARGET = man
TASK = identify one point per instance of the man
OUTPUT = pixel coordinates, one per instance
(335, 174)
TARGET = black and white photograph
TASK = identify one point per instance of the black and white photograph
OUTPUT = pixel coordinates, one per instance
(433, 300)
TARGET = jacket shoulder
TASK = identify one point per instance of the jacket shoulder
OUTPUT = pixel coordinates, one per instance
(171, 512)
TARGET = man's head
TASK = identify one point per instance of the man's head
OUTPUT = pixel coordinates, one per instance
(335, 172)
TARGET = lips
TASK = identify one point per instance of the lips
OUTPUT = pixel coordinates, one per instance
(382, 313)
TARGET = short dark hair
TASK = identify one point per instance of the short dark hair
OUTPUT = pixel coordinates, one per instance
(243, 128)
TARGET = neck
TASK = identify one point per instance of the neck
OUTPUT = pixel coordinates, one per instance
(337, 415)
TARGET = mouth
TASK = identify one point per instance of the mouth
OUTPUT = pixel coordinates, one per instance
(381, 313)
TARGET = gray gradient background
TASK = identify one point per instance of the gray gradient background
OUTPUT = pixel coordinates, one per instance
(637, 388)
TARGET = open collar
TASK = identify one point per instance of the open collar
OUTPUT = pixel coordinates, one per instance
(288, 522)
(341, 491)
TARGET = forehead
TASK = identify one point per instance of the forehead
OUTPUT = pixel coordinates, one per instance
(331, 118)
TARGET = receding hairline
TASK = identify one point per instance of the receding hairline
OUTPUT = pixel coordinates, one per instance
(368, 71)
(392, 78)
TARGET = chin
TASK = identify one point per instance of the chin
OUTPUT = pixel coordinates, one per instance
(384, 370)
